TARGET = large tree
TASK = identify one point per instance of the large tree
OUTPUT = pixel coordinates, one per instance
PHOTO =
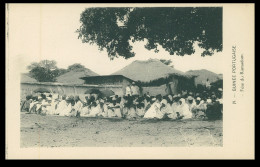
(176, 29)
(44, 71)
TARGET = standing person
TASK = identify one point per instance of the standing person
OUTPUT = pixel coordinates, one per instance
(135, 89)
(191, 103)
(128, 90)
(208, 84)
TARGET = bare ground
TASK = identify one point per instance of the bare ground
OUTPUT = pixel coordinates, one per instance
(57, 131)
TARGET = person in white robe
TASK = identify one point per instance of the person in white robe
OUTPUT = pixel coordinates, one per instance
(114, 109)
(184, 109)
(61, 106)
(105, 110)
(67, 110)
(32, 108)
(140, 111)
(166, 108)
(77, 106)
(66, 107)
(45, 105)
(111, 109)
(135, 89)
(85, 111)
(51, 107)
(152, 111)
(191, 103)
(128, 90)
(95, 109)
(38, 105)
(174, 110)
(162, 110)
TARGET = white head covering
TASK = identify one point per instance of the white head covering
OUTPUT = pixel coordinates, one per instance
(170, 97)
(190, 98)
(182, 100)
(114, 98)
(164, 101)
(209, 101)
(198, 98)
(154, 99)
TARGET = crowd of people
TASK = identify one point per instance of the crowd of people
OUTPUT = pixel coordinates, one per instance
(186, 105)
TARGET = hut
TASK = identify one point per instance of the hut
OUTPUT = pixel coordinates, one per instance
(170, 84)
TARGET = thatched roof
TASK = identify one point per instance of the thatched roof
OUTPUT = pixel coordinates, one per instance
(203, 75)
(73, 77)
(26, 78)
(148, 70)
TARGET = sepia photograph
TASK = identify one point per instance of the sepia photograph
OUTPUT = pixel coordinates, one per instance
(104, 76)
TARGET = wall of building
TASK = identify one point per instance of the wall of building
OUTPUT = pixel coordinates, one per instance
(155, 90)
(174, 86)
(28, 88)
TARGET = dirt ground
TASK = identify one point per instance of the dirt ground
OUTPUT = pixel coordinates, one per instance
(57, 131)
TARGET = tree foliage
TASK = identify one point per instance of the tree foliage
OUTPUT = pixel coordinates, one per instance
(47, 71)
(44, 71)
(176, 29)
(167, 62)
(76, 67)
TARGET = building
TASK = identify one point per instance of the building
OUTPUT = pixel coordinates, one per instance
(116, 83)
(171, 84)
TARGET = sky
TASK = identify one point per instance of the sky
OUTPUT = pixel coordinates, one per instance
(47, 31)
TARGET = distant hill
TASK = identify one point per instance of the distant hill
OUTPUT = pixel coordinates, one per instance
(26, 78)
(146, 71)
(203, 75)
(73, 77)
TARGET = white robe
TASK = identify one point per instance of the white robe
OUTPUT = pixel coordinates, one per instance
(111, 111)
(51, 109)
(152, 111)
(140, 111)
(85, 111)
(78, 107)
(128, 91)
(184, 110)
(94, 111)
(67, 110)
(61, 107)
